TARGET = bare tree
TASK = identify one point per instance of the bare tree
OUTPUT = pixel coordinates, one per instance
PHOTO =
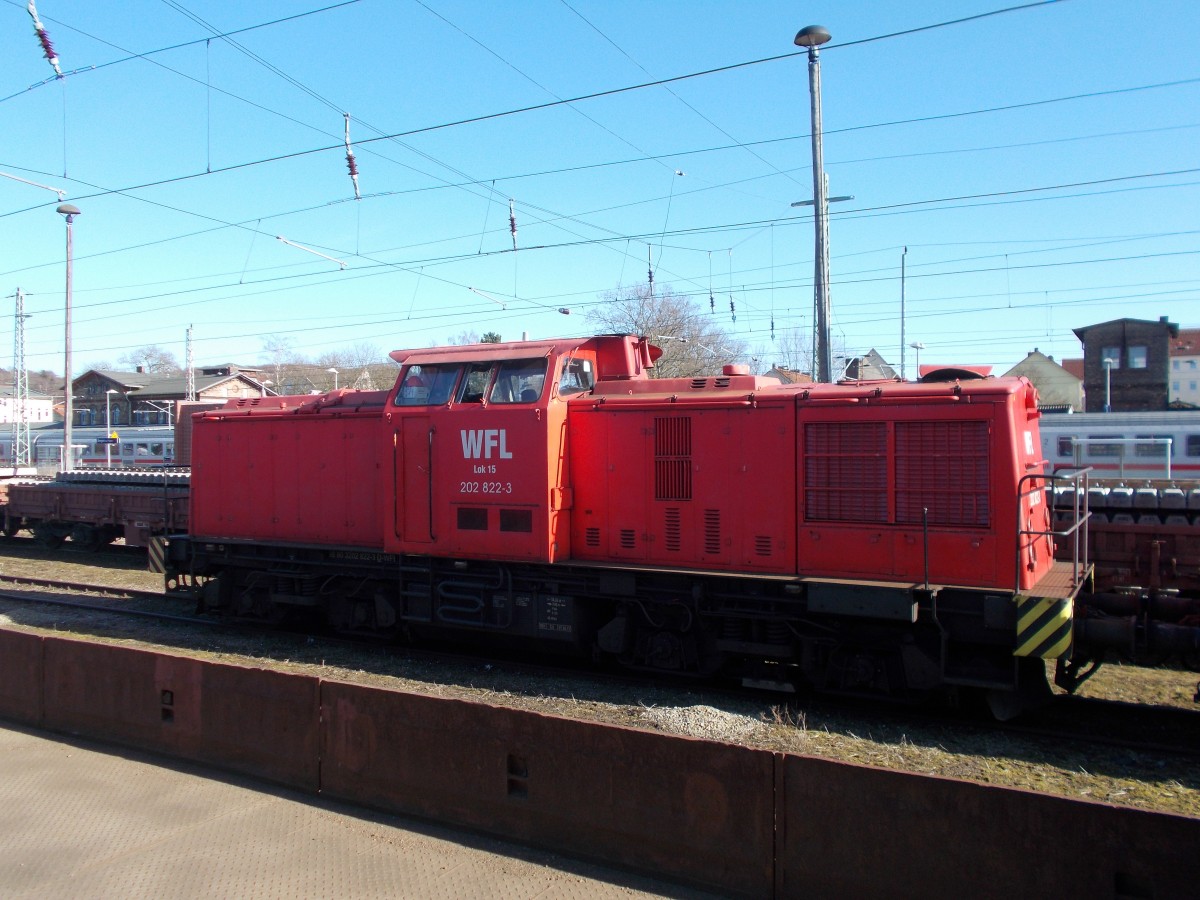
(463, 337)
(152, 358)
(791, 350)
(362, 366)
(691, 341)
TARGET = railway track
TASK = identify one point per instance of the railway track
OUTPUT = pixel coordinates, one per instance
(1073, 721)
(113, 597)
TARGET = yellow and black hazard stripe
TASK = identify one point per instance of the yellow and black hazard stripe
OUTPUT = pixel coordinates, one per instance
(158, 554)
(1043, 627)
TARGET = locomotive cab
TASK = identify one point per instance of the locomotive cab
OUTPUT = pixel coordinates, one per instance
(476, 444)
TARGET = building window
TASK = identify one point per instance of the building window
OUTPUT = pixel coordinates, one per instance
(1193, 445)
(1113, 353)
(1174, 387)
(1175, 365)
(1137, 357)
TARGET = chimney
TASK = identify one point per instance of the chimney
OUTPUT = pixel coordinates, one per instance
(141, 370)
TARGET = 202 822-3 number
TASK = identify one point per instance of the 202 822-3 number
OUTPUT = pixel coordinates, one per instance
(485, 487)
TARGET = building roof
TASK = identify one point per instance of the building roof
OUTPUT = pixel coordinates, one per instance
(1171, 327)
(869, 367)
(156, 386)
(1185, 343)
(1074, 366)
(789, 376)
(1037, 358)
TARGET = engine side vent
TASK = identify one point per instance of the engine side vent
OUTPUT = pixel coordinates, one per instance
(763, 545)
(846, 471)
(943, 467)
(472, 519)
(591, 537)
(721, 382)
(672, 458)
(712, 531)
(673, 528)
(672, 436)
(628, 539)
(699, 384)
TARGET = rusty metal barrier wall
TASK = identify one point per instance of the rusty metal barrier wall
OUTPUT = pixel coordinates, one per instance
(691, 810)
(742, 821)
(254, 721)
(853, 831)
(21, 676)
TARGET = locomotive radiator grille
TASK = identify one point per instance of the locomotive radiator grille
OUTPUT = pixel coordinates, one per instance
(942, 467)
(939, 466)
(672, 458)
(845, 471)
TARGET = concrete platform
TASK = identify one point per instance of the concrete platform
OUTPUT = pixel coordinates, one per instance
(83, 819)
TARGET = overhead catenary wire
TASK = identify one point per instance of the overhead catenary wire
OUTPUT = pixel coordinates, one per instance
(619, 233)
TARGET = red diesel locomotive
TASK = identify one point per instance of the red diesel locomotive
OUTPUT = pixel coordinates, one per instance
(883, 538)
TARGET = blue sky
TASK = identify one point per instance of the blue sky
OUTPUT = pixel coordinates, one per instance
(1041, 165)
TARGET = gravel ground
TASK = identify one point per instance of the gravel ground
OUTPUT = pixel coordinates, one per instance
(868, 735)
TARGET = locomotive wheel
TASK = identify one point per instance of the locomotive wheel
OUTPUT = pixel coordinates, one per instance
(1033, 691)
(87, 538)
(11, 529)
(48, 536)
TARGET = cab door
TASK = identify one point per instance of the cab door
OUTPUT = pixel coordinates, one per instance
(413, 462)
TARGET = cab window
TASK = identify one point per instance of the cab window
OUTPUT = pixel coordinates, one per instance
(475, 382)
(427, 385)
(577, 377)
(519, 381)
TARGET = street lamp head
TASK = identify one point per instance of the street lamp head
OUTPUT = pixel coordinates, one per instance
(917, 345)
(68, 210)
(812, 36)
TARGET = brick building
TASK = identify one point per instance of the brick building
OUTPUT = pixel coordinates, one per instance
(1126, 364)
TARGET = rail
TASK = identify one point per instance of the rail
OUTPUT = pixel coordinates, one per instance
(1050, 487)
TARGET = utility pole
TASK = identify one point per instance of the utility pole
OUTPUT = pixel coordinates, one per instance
(20, 428)
(68, 212)
(191, 368)
(903, 255)
(812, 37)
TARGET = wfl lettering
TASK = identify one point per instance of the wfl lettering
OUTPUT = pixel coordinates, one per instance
(479, 443)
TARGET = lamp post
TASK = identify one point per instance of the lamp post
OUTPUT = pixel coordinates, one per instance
(918, 346)
(1108, 364)
(334, 372)
(108, 426)
(812, 37)
(68, 462)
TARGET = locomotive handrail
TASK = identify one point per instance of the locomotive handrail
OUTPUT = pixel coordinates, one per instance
(1077, 529)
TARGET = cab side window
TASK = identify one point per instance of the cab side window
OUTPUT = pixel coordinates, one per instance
(519, 381)
(475, 384)
(577, 377)
(427, 385)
